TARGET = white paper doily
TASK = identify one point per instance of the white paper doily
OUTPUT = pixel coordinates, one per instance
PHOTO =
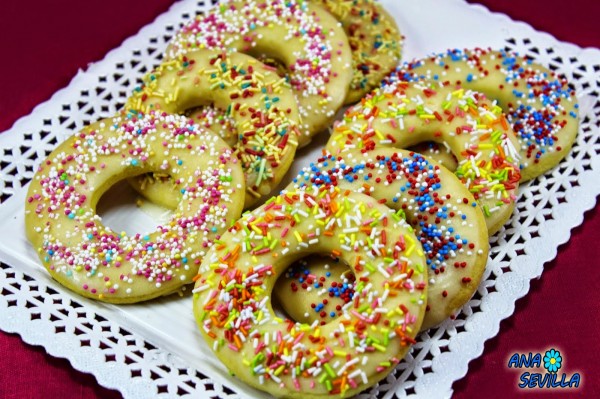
(153, 350)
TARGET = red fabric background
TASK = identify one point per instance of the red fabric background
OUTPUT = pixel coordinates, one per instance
(44, 44)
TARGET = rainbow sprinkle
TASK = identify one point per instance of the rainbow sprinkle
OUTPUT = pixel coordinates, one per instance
(233, 287)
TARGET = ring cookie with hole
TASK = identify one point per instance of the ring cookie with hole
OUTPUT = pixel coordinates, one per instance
(539, 105)
(301, 36)
(257, 99)
(232, 300)
(374, 38)
(89, 258)
(402, 114)
(444, 215)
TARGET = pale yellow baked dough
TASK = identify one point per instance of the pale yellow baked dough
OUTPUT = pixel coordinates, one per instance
(89, 258)
(402, 114)
(375, 40)
(301, 36)
(257, 99)
(540, 105)
(435, 203)
(286, 359)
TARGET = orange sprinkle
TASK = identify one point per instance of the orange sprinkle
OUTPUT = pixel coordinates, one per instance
(343, 385)
(334, 207)
(504, 122)
(237, 341)
(501, 152)
(357, 261)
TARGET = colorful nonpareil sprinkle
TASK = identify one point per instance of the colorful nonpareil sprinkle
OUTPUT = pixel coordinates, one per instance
(87, 256)
(374, 38)
(435, 203)
(401, 114)
(304, 38)
(260, 103)
(539, 104)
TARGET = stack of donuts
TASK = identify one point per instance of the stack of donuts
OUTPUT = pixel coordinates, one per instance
(321, 287)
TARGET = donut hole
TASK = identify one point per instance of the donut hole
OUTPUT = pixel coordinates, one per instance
(438, 153)
(280, 66)
(314, 288)
(122, 209)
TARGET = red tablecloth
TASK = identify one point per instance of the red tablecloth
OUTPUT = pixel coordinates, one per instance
(42, 47)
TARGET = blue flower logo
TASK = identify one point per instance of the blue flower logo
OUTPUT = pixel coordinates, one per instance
(552, 361)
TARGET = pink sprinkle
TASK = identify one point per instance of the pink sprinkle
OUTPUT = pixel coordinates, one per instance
(298, 338)
(233, 347)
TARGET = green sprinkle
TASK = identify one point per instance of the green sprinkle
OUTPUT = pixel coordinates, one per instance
(329, 370)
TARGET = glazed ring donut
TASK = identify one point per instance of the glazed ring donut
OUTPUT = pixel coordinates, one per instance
(402, 114)
(259, 101)
(435, 203)
(302, 36)
(86, 256)
(374, 38)
(539, 105)
(285, 358)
